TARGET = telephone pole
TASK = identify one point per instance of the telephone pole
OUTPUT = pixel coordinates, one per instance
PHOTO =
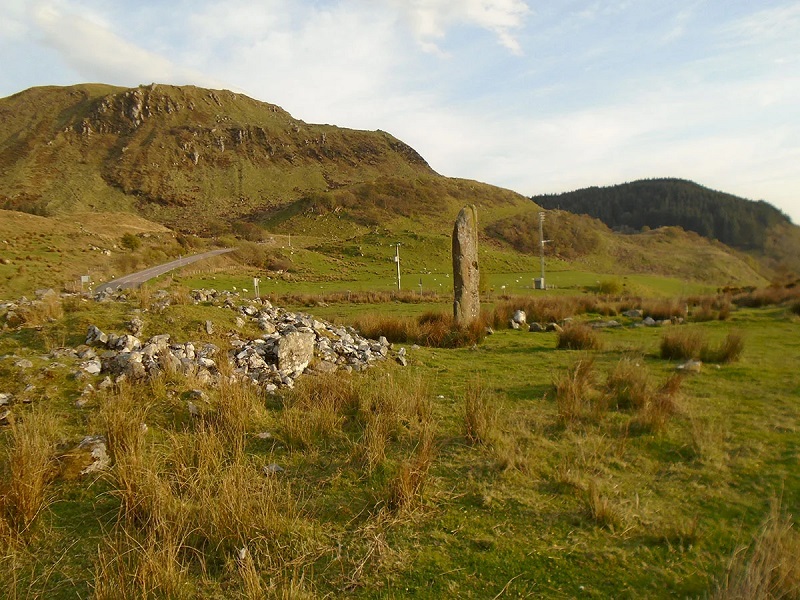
(397, 261)
(539, 283)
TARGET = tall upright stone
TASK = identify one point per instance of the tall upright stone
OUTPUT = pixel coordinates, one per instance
(466, 306)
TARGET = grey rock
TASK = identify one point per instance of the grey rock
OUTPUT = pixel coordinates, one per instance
(691, 366)
(95, 336)
(272, 469)
(93, 366)
(135, 326)
(295, 351)
(96, 446)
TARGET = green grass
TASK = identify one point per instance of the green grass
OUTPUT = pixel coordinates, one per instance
(517, 498)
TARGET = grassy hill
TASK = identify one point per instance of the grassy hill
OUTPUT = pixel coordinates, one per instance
(755, 227)
(183, 156)
(218, 163)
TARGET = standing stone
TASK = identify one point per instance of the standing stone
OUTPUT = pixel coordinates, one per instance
(466, 306)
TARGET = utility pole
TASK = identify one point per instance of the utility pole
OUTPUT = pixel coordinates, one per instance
(539, 284)
(397, 261)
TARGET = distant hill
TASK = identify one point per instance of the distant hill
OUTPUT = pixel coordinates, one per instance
(215, 162)
(756, 227)
(178, 155)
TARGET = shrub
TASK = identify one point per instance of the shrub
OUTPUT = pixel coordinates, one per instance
(610, 287)
(578, 336)
(131, 241)
(682, 344)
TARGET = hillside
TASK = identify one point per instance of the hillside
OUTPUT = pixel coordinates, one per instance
(217, 163)
(754, 227)
(182, 156)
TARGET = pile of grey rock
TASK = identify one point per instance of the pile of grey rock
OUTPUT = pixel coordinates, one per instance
(292, 343)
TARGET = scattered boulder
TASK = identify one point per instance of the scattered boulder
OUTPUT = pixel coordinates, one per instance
(89, 456)
(690, 366)
(135, 326)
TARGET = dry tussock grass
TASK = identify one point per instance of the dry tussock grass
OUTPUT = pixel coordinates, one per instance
(481, 414)
(682, 343)
(433, 329)
(663, 405)
(406, 490)
(576, 396)
(601, 508)
(27, 473)
(578, 336)
(769, 568)
(729, 350)
(629, 385)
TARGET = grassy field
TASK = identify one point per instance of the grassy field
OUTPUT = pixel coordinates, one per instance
(510, 468)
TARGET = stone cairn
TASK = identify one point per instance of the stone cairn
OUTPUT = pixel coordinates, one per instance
(290, 344)
(466, 280)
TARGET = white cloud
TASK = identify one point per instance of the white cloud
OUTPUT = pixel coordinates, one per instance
(430, 19)
(89, 47)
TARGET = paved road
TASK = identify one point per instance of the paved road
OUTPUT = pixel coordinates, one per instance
(136, 279)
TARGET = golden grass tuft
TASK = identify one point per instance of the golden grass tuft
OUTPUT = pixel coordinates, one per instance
(663, 405)
(406, 490)
(27, 473)
(481, 414)
(680, 343)
(433, 329)
(729, 350)
(769, 568)
(602, 509)
(629, 385)
(578, 336)
(576, 396)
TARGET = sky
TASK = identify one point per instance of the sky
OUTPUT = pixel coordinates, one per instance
(531, 95)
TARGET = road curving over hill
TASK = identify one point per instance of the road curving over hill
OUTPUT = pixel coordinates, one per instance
(136, 279)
